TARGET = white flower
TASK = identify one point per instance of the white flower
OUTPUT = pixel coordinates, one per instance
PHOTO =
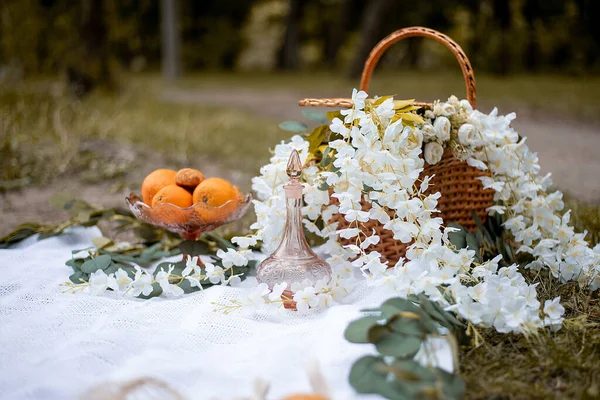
(214, 273)
(122, 279)
(244, 241)
(99, 282)
(142, 283)
(277, 291)
(256, 297)
(358, 98)
(433, 153)
(553, 309)
(442, 128)
(428, 132)
(191, 264)
(306, 298)
(232, 257)
(162, 277)
(467, 135)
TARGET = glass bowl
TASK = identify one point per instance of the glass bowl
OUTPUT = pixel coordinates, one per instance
(192, 221)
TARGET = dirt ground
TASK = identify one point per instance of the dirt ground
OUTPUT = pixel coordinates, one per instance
(567, 149)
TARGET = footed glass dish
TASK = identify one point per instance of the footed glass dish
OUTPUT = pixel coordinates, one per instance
(192, 221)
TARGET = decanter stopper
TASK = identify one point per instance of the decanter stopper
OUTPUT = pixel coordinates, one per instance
(293, 261)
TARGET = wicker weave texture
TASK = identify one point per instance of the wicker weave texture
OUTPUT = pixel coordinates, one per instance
(462, 193)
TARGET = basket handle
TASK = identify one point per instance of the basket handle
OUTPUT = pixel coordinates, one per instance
(439, 37)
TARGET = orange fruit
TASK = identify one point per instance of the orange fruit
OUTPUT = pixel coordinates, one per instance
(173, 194)
(215, 192)
(155, 181)
(188, 177)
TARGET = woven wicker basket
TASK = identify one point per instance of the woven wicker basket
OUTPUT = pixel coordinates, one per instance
(462, 193)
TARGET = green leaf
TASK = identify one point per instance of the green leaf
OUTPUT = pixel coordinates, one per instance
(472, 242)
(358, 331)
(221, 243)
(96, 263)
(398, 345)
(193, 247)
(77, 276)
(407, 326)
(441, 316)
(368, 374)
(458, 239)
(411, 371)
(315, 115)
(293, 126)
(75, 263)
(395, 305)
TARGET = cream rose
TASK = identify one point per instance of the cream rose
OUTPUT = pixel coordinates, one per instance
(433, 153)
(415, 139)
(442, 128)
(466, 135)
(428, 132)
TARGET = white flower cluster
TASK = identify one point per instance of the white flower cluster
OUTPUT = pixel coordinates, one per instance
(142, 283)
(489, 142)
(378, 161)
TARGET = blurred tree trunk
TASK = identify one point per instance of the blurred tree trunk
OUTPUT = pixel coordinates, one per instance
(530, 10)
(92, 68)
(171, 39)
(335, 35)
(502, 15)
(288, 55)
(370, 33)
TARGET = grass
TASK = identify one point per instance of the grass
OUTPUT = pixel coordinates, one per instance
(42, 132)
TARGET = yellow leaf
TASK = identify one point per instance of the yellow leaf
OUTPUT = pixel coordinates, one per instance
(403, 103)
(409, 117)
(381, 100)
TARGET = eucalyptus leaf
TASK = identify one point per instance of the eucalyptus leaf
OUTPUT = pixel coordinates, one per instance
(472, 242)
(293, 126)
(407, 326)
(368, 374)
(398, 345)
(411, 371)
(96, 263)
(75, 263)
(358, 331)
(315, 115)
(193, 247)
(395, 305)
(77, 276)
(458, 239)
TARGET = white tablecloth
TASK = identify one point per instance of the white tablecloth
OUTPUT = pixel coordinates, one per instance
(56, 346)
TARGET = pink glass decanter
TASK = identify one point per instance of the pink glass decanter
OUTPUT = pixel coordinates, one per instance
(293, 261)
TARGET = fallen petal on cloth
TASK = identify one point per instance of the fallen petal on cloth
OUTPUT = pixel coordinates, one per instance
(55, 345)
